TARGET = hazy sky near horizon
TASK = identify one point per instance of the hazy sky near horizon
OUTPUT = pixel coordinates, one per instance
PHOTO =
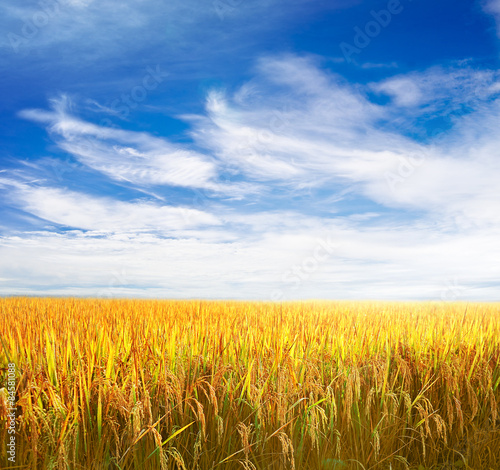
(253, 149)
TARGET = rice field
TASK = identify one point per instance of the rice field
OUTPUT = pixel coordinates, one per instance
(128, 384)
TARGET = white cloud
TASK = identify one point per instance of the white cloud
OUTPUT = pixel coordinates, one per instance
(82, 211)
(493, 7)
(91, 32)
(303, 125)
(64, 21)
(439, 88)
(403, 90)
(293, 127)
(133, 157)
(386, 262)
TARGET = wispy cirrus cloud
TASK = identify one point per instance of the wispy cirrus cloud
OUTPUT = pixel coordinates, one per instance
(440, 89)
(78, 210)
(408, 215)
(251, 170)
(298, 125)
(138, 158)
(42, 25)
(124, 155)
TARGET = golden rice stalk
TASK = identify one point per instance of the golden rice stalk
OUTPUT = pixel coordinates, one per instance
(287, 450)
(175, 454)
(245, 433)
(220, 428)
(493, 406)
(460, 416)
(163, 455)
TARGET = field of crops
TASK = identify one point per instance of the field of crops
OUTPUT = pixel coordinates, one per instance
(126, 384)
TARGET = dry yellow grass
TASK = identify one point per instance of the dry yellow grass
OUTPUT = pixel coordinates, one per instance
(220, 385)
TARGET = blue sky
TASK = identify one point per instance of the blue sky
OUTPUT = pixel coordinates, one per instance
(250, 149)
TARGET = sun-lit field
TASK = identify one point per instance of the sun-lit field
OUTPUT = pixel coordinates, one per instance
(203, 385)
